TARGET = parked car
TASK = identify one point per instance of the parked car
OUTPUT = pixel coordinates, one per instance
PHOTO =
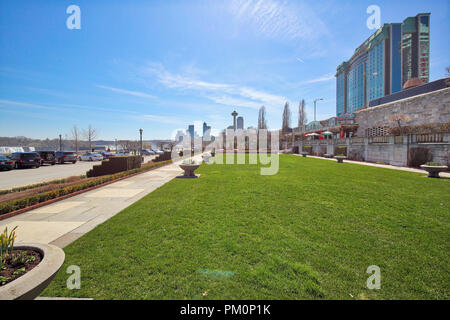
(90, 156)
(26, 159)
(107, 155)
(158, 151)
(122, 154)
(66, 156)
(147, 152)
(47, 157)
(6, 163)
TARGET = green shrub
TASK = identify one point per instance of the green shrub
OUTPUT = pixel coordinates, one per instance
(435, 164)
(13, 205)
(307, 149)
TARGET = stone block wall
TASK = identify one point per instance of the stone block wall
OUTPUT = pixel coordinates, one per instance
(393, 151)
(433, 107)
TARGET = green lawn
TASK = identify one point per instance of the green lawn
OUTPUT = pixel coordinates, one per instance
(309, 232)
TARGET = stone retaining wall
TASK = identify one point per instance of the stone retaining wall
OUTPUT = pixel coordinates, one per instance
(427, 108)
(393, 151)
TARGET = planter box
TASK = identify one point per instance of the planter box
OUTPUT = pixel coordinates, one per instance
(31, 284)
(340, 159)
(115, 165)
(433, 171)
(189, 170)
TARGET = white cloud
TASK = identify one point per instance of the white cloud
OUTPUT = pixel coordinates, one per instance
(278, 19)
(159, 119)
(24, 104)
(320, 79)
(222, 93)
(128, 92)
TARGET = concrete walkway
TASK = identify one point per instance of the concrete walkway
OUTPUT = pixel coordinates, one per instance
(387, 166)
(67, 220)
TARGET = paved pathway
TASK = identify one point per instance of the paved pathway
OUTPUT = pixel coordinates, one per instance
(67, 220)
(23, 177)
(387, 166)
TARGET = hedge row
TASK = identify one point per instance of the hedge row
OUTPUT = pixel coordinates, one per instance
(18, 204)
(37, 185)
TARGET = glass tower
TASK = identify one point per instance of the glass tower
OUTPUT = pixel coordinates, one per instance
(380, 66)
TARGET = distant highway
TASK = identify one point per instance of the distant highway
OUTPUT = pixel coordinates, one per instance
(22, 177)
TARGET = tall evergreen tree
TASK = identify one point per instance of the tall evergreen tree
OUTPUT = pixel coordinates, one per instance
(302, 117)
(286, 117)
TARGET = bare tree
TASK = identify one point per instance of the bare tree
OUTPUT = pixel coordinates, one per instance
(128, 145)
(262, 124)
(90, 134)
(286, 117)
(75, 133)
(302, 117)
(398, 118)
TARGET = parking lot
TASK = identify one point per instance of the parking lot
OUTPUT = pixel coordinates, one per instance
(22, 177)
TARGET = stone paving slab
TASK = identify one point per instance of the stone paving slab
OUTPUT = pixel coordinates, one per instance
(67, 220)
(41, 231)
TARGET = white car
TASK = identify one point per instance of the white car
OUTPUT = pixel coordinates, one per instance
(91, 157)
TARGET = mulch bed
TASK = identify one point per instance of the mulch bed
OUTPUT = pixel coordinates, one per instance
(13, 266)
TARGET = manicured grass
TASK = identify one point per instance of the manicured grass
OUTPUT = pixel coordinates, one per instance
(309, 232)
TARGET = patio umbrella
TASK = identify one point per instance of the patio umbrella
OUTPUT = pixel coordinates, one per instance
(327, 133)
(313, 134)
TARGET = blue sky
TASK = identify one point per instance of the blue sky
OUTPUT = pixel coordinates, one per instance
(161, 65)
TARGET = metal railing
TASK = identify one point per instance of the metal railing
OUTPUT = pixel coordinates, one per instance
(430, 138)
(398, 139)
(341, 141)
(382, 139)
(357, 140)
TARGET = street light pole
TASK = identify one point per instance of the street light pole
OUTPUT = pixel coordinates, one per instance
(140, 132)
(315, 101)
(60, 142)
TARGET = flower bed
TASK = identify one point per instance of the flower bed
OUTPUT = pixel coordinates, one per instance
(13, 205)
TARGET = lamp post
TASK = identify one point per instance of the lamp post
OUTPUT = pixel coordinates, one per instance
(140, 147)
(60, 142)
(315, 101)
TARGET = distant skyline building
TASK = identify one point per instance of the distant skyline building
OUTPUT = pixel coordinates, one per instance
(190, 131)
(240, 123)
(206, 132)
(380, 66)
(179, 136)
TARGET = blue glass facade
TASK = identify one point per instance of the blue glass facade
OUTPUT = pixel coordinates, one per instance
(375, 74)
(396, 36)
(355, 86)
(340, 93)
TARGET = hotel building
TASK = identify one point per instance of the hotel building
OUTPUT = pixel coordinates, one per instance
(380, 66)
